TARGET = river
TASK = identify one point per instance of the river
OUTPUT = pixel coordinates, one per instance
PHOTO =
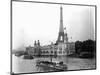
(20, 65)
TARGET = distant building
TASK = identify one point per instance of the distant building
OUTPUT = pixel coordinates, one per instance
(34, 51)
(49, 50)
(30, 50)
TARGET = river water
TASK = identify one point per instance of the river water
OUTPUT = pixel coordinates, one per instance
(20, 65)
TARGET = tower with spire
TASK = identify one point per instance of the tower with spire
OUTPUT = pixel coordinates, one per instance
(61, 30)
(65, 36)
(61, 38)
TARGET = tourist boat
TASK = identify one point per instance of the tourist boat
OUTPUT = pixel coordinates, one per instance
(52, 65)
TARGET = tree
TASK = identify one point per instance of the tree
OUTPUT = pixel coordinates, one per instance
(78, 47)
(87, 46)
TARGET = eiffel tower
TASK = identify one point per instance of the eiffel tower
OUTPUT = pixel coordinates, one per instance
(61, 29)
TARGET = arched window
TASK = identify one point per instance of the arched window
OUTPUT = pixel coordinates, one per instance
(43, 51)
(51, 51)
(47, 52)
(60, 48)
(55, 52)
(60, 52)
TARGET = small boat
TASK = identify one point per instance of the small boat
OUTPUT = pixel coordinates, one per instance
(52, 65)
(28, 57)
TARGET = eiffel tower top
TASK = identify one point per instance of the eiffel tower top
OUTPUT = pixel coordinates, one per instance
(61, 20)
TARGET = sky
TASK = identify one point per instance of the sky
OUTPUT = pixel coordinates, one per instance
(37, 21)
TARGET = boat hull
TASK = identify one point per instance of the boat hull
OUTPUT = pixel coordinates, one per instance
(52, 67)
